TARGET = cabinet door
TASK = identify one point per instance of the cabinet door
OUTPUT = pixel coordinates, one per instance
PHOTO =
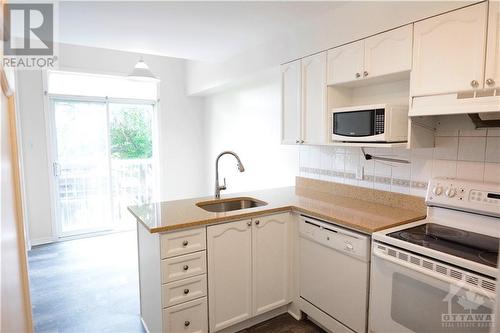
(290, 103)
(449, 52)
(229, 273)
(314, 99)
(271, 262)
(345, 63)
(492, 73)
(389, 52)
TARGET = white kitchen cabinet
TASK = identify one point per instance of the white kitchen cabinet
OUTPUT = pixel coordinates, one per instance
(291, 102)
(449, 52)
(189, 317)
(229, 273)
(345, 63)
(271, 264)
(314, 117)
(492, 71)
(388, 52)
(248, 268)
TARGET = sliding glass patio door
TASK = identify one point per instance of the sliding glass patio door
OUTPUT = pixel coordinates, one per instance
(81, 167)
(103, 162)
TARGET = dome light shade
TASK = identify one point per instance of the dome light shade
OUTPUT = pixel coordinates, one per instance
(141, 71)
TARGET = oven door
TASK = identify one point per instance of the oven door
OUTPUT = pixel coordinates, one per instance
(410, 293)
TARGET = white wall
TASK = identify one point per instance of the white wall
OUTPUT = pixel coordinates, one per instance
(180, 129)
(341, 24)
(246, 119)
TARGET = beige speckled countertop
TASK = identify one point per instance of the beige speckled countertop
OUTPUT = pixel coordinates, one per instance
(336, 203)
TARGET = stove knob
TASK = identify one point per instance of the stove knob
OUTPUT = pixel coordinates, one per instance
(451, 192)
(438, 190)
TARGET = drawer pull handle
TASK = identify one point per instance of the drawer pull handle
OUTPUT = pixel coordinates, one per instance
(186, 291)
(185, 243)
(186, 267)
(187, 323)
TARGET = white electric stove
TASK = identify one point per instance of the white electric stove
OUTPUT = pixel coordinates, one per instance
(439, 274)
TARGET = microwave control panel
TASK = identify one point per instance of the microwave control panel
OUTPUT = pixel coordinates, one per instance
(379, 121)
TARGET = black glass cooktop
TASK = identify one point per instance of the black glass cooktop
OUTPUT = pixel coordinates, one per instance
(469, 245)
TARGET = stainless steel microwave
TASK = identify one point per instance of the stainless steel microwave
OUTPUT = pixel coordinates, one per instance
(370, 123)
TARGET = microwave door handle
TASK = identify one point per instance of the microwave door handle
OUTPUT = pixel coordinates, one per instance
(433, 274)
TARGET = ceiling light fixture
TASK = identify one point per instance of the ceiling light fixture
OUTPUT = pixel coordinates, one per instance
(141, 71)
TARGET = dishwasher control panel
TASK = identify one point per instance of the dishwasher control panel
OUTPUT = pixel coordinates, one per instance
(335, 237)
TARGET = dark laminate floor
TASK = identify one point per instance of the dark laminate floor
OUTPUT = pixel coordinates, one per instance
(91, 285)
(86, 285)
(284, 324)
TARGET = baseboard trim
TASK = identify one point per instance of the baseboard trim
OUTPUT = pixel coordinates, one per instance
(295, 315)
(41, 241)
(144, 325)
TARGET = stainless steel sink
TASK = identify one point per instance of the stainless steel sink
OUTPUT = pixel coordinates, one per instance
(227, 205)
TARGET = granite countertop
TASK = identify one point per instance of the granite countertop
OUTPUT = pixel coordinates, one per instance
(344, 209)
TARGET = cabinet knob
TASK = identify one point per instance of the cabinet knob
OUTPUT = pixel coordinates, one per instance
(187, 323)
(474, 84)
(186, 291)
(358, 75)
(185, 243)
(186, 267)
(490, 82)
(257, 222)
(365, 73)
(249, 223)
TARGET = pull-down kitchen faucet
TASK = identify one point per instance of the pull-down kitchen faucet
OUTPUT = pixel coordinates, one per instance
(241, 168)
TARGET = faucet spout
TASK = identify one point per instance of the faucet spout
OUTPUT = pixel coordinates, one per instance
(241, 168)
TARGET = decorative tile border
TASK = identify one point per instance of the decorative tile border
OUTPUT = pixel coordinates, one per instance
(376, 179)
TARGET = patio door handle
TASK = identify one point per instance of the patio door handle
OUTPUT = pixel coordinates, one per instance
(56, 168)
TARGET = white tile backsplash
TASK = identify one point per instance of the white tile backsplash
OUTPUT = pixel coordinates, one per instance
(446, 148)
(493, 149)
(492, 172)
(471, 148)
(468, 153)
(470, 170)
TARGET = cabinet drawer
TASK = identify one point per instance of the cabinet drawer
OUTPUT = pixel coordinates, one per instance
(190, 317)
(184, 290)
(182, 242)
(181, 267)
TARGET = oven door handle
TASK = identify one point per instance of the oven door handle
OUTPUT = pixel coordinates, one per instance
(432, 274)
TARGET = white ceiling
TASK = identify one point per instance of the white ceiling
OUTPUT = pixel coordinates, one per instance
(208, 31)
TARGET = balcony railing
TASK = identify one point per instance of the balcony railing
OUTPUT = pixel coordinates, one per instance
(90, 194)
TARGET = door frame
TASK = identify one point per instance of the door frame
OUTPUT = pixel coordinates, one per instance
(51, 143)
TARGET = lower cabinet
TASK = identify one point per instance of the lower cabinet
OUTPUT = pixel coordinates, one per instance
(248, 268)
(189, 317)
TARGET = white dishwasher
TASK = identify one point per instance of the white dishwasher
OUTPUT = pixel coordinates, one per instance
(334, 275)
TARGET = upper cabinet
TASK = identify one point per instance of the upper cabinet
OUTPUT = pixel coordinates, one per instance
(389, 52)
(314, 99)
(291, 102)
(492, 71)
(449, 52)
(304, 100)
(345, 63)
(379, 55)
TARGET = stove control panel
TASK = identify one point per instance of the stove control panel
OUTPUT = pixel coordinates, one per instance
(465, 195)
